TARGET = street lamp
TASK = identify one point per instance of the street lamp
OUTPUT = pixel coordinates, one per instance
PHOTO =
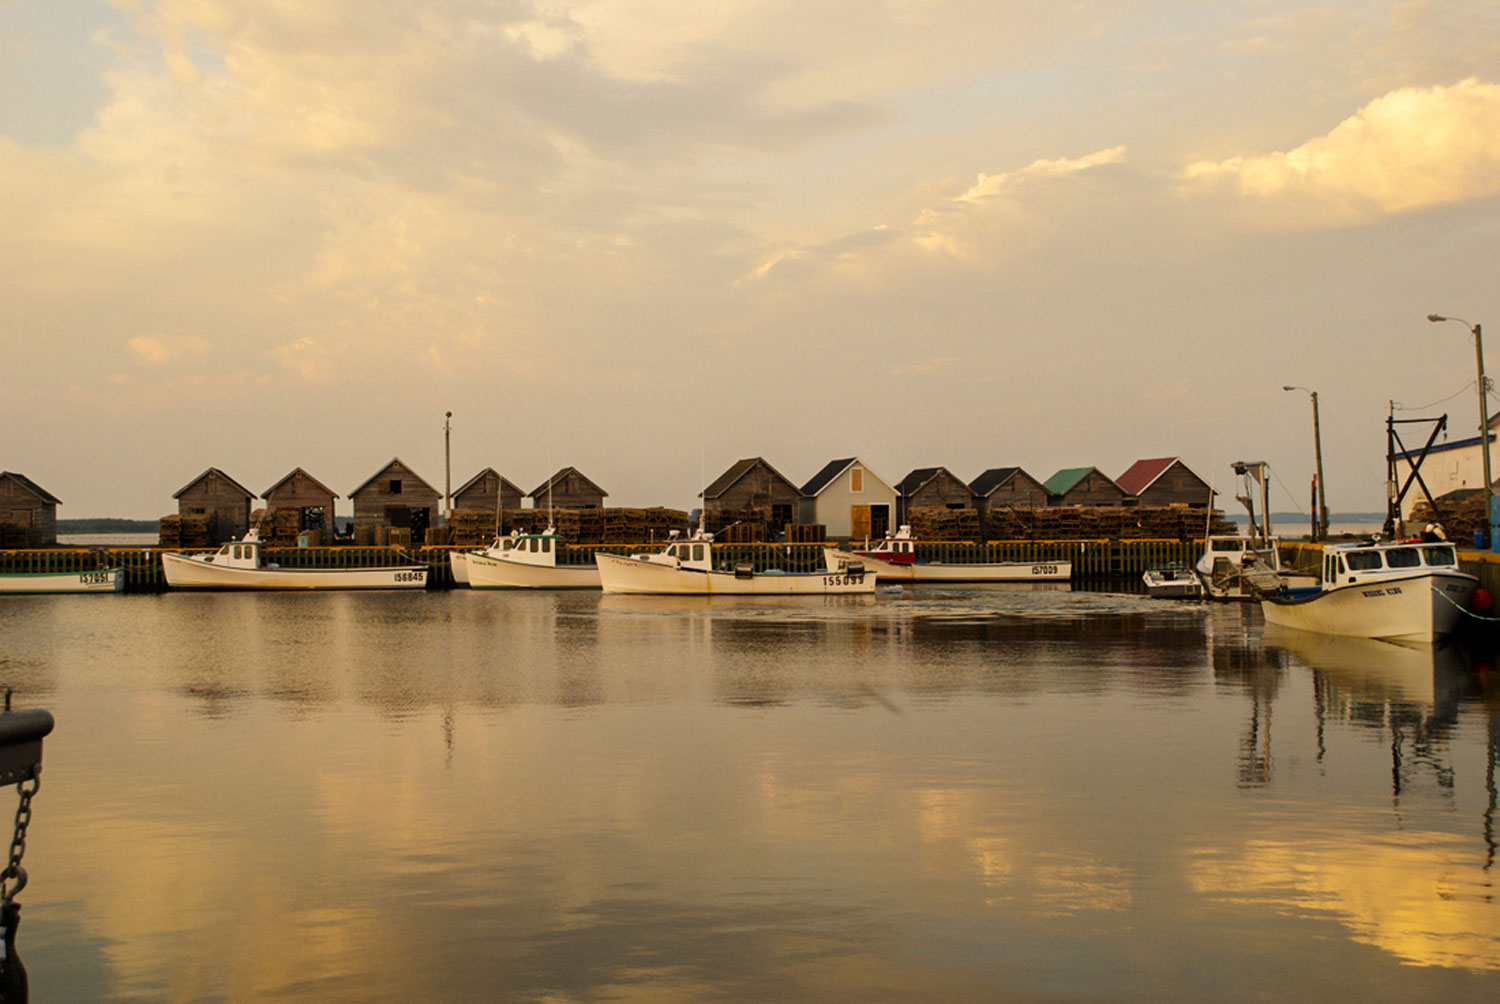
(1321, 531)
(1484, 414)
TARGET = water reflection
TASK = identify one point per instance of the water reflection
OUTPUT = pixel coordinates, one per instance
(955, 794)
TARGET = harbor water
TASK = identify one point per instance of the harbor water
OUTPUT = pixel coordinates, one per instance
(936, 794)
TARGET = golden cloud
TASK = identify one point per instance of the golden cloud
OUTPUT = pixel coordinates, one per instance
(1409, 149)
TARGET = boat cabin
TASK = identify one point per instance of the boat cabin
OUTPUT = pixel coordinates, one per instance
(694, 552)
(1351, 564)
(532, 548)
(237, 554)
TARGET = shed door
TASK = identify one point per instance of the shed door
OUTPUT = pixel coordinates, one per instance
(859, 522)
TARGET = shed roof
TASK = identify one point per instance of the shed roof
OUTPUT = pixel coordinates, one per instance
(32, 487)
(1066, 479)
(1143, 473)
(825, 477)
(505, 483)
(389, 464)
(992, 479)
(292, 474)
(737, 470)
(541, 489)
(917, 478)
(212, 470)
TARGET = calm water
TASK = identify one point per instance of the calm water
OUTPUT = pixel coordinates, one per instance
(944, 795)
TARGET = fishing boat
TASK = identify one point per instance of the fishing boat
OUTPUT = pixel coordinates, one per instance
(685, 568)
(1400, 591)
(528, 561)
(98, 580)
(1172, 582)
(894, 559)
(1244, 567)
(241, 564)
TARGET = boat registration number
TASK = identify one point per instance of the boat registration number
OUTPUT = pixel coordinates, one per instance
(1043, 569)
(1388, 591)
(410, 576)
(843, 580)
(95, 578)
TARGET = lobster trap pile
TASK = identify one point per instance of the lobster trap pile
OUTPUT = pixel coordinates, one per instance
(190, 530)
(939, 523)
(1462, 513)
(1104, 523)
(615, 525)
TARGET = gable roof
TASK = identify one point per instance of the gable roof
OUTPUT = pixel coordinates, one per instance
(505, 483)
(541, 489)
(293, 473)
(916, 479)
(212, 470)
(825, 477)
(739, 469)
(992, 479)
(1143, 473)
(32, 487)
(1064, 480)
(389, 464)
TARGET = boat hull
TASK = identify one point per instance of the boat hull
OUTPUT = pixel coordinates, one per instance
(102, 580)
(1422, 607)
(487, 572)
(935, 571)
(458, 563)
(619, 574)
(183, 572)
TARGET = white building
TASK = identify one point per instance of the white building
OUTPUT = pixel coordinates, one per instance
(850, 500)
(1447, 467)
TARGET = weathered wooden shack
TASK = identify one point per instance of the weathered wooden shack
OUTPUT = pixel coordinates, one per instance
(1007, 487)
(849, 500)
(568, 489)
(1165, 481)
(487, 491)
(312, 500)
(28, 512)
(223, 499)
(750, 489)
(1083, 486)
(932, 487)
(394, 497)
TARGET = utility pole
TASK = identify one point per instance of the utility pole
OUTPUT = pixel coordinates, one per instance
(447, 466)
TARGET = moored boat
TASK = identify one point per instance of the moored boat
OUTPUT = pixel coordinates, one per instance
(685, 568)
(528, 561)
(241, 564)
(1403, 591)
(97, 580)
(894, 559)
(1172, 582)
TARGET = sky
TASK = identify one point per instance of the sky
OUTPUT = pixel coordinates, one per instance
(647, 238)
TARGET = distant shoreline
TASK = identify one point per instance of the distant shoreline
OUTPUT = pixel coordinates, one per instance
(107, 524)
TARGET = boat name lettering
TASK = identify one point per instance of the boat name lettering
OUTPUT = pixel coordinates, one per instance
(1388, 591)
(411, 576)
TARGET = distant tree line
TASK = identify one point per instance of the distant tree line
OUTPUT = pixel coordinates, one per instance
(106, 525)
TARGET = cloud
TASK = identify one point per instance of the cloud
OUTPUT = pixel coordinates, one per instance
(158, 350)
(1409, 149)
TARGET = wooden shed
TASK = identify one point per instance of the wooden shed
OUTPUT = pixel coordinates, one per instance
(1083, 486)
(750, 489)
(1007, 488)
(935, 487)
(849, 500)
(215, 494)
(568, 489)
(28, 512)
(1165, 481)
(307, 496)
(395, 498)
(487, 491)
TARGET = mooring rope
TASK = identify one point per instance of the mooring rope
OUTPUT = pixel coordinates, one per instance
(1465, 610)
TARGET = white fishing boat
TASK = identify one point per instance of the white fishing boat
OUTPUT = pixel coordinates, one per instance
(1245, 567)
(1401, 591)
(99, 580)
(685, 568)
(458, 561)
(241, 564)
(528, 561)
(1172, 582)
(894, 559)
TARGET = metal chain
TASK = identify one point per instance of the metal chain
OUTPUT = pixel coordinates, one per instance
(13, 869)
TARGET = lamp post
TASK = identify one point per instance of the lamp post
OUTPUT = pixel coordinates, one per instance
(1322, 528)
(1484, 413)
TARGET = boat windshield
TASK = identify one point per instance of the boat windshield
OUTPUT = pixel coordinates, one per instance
(1403, 557)
(1228, 545)
(1362, 561)
(1440, 556)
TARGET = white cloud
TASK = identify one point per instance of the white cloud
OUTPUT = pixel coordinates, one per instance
(1409, 149)
(158, 350)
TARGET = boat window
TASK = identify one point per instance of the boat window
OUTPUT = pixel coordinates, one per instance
(1403, 557)
(697, 552)
(1228, 545)
(535, 545)
(547, 546)
(1363, 561)
(1440, 556)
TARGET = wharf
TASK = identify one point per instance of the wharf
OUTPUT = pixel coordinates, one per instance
(1095, 562)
